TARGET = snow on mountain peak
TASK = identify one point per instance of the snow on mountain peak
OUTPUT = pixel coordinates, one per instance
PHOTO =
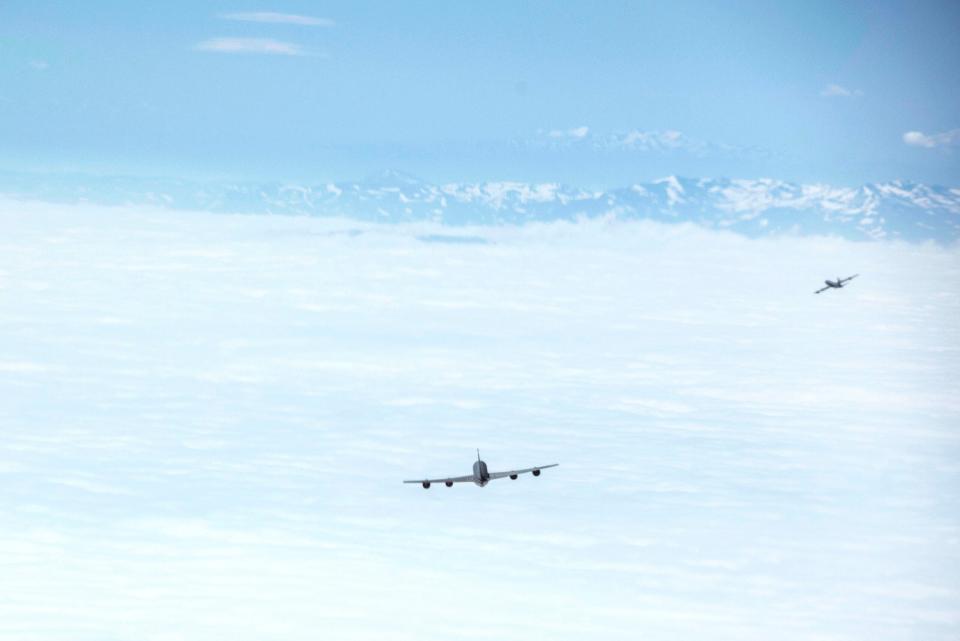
(764, 206)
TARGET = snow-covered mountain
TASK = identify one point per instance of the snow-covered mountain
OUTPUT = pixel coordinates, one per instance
(892, 210)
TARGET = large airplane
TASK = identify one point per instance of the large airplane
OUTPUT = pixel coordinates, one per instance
(836, 284)
(481, 476)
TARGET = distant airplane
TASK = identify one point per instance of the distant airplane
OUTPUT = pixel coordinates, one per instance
(480, 475)
(836, 284)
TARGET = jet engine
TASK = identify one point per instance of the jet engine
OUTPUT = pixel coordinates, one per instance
(448, 483)
(536, 472)
(426, 485)
(513, 477)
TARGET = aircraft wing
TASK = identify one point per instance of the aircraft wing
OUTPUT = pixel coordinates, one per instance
(822, 289)
(849, 278)
(452, 479)
(500, 475)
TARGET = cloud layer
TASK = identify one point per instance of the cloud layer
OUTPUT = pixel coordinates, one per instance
(206, 419)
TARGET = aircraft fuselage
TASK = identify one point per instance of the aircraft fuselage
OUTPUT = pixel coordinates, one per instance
(480, 474)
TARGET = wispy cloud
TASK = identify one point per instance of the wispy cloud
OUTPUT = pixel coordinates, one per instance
(39, 65)
(839, 91)
(652, 140)
(576, 133)
(272, 17)
(251, 45)
(942, 139)
(634, 140)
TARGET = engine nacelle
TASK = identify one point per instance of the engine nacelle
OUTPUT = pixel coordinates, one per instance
(536, 472)
(513, 477)
(448, 483)
(426, 485)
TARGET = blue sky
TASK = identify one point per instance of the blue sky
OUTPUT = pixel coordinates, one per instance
(474, 91)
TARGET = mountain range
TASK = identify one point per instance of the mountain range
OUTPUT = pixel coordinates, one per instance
(754, 207)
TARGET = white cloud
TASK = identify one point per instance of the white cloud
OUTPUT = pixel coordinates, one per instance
(251, 45)
(839, 91)
(634, 140)
(942, 139)
(272, 17)
(652, 140)
(582, 343)
(576, 133)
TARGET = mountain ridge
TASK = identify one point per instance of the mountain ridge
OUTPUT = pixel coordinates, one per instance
(755, 207)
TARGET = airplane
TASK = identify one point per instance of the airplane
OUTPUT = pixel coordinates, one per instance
(836, 284)
(480, 475)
